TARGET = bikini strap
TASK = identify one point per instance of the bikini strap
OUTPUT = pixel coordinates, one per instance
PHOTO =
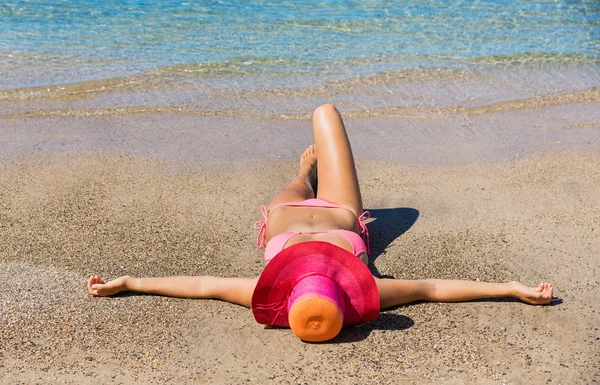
(364, 231)
(261, 226)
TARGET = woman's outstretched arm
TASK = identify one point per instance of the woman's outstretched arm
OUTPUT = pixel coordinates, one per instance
(234, 290)
(393, 292)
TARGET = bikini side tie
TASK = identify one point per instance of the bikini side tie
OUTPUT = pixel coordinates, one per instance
(364, 231)
(261, 226)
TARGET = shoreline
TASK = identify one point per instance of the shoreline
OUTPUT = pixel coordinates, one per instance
(417, 92)
(457, 138)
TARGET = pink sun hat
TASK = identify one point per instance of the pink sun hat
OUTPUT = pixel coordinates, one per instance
(315, 288)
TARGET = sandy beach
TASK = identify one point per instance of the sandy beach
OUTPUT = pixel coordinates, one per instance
(177, 194)
(142, 138)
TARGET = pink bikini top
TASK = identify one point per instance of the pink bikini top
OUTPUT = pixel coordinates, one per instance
(360, 243)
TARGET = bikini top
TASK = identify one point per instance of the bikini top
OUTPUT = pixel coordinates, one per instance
(360, 243)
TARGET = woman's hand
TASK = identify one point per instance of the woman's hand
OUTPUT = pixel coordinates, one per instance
(540, 295)
(97, 287)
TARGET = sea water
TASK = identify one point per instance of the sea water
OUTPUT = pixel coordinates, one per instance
(280, 58)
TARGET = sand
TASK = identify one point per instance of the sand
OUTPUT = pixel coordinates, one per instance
(174, 194)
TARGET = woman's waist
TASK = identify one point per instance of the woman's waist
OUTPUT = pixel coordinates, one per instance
(310, 220)
(312, 216)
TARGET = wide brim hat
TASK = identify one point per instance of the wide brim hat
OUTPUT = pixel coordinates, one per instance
(312, 279)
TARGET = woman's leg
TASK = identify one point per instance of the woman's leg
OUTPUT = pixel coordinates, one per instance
(301, 187)
(338, 182)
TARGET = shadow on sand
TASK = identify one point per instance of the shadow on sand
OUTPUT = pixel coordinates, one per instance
(388, 225)
(385, 321)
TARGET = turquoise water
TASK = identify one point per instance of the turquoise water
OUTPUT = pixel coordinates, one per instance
(192, 49)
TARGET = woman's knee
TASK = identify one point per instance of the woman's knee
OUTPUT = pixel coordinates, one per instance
(325, 110)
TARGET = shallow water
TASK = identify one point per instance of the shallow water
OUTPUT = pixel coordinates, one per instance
(280, 59)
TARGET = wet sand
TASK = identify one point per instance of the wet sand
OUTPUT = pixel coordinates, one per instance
(177, 194)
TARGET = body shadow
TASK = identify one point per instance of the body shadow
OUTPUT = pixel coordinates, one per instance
(385, 321)
(387, 226)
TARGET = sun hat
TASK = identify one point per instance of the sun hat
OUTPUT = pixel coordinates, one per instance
(315, 288)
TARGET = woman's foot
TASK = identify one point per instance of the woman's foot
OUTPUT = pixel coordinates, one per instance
(308, 167)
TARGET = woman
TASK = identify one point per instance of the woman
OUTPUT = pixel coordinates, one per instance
(315, 280)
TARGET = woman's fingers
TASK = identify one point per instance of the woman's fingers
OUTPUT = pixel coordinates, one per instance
(98, 279)
(536, 295)
(540, 287)
(548, 290)
(544, 290)
(95, 284)
(544, 294)
(91, 282)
